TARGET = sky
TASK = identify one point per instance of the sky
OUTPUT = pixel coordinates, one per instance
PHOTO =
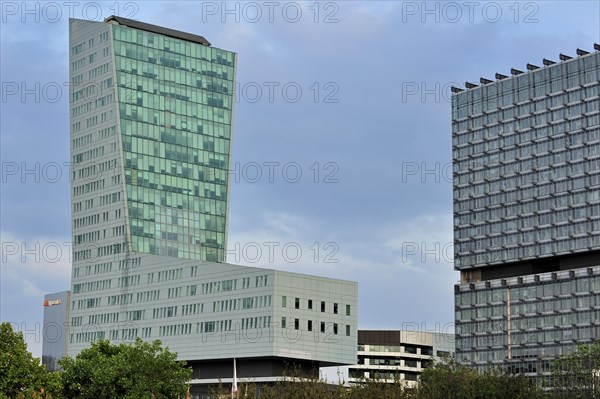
(342, 136)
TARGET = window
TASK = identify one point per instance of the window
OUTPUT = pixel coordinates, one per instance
(335, 328)
(310, 304)
(283, 322)
(322, 306)
(283, 301)
(296, 324)
(335, 308)
(309, 325)
(347, 330)
(297, 303)
(322, 327)
(347, 310)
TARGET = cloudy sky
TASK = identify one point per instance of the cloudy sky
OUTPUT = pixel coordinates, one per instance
(342, 143)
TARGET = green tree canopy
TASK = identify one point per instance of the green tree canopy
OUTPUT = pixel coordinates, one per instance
(21, 375)
(577, 376)
(136, 371)
(448, 379)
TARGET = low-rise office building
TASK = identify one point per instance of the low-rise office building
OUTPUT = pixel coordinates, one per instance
(398, 355)
(210, 313)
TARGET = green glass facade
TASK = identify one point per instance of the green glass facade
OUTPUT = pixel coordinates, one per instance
(175, 107)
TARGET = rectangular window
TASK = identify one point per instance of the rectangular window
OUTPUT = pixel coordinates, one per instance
(296, 324)
(297, 303)
(310, 304)
(309, 325)
(335, 328)
(335, 308)
(322, 327)
(347, 310)
(322, 306)
(347, 330)
(283, 322)
(283, 301)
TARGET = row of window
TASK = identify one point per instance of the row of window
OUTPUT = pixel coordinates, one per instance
(559, 247)
(188, 188)
(156, 87)
(549, 139)
(524, 130)
(98, 268)
(92, 169)
(86, 45)
(88, 154)
(497, 176)
(91, 286)
(172, 45)
(393, 361)
(324, 327)
(573, 176)
(554, 203)
(91, 104)
(309, 305)
(96, 235)
(209, 136)
(528, 229)
(164, 57)
(540, 83)
(153, 295)
(200, 104)
(82, 141)
(173, 152)
(533, 154)
(480, 208)
(533, 113)
(547, 289)
(404, 348)
(88, 187)
(568, 318)
(92, 333)
(469, 129)
(379, 375)
(533, 241)
(543, 344)
(242, 303)
(88, 60)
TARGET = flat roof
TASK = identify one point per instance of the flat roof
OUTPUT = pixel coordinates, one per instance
(158, 29)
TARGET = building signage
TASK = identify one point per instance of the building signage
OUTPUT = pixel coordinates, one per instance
(52, 302)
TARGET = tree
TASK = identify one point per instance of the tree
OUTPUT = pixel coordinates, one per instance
(22, 375)
(448, 379)
(139, 370)
(577, 375)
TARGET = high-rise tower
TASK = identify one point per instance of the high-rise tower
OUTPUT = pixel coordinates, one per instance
(151, 126)
(526, 153)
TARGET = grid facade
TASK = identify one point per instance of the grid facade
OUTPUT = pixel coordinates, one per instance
(526, 322)
(207, 311)
(526, 165)
(151, 123)
(526, 154)
(175, 109)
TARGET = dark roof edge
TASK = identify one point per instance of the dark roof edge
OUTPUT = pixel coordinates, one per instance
(158, 29)
(530, 68)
